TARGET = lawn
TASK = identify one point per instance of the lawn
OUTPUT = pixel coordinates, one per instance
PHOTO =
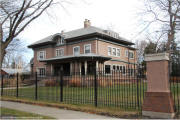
(7, 113)
(125, 96)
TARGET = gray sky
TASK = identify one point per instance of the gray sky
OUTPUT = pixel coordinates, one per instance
(119, 15)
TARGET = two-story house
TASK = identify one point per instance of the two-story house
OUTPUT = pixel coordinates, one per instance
(82, 50)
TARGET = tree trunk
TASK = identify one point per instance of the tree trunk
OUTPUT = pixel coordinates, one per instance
(1, 39)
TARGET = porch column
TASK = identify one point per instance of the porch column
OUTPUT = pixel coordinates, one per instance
(97, 65)
(76, 69)
(80, 68)
(158, 102)
(52, 71)
(85, 67)
(71, 68)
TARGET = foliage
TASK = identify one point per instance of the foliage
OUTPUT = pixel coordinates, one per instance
(50, 83)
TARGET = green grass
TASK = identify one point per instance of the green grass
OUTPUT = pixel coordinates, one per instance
(123, 96)
(7, 113)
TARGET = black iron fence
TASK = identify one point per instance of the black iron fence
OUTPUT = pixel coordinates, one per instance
(119, 88)
(175, 80)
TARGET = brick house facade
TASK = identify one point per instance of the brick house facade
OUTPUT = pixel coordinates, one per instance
(82, 50)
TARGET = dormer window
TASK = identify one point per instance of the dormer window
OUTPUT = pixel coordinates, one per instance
(60, 40)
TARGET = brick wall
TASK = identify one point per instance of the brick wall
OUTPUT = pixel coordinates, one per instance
(97, 47)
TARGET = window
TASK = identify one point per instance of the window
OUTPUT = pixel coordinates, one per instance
(59, 52)
(117, 67)
(107, 69)
(114, 51)
(118, 52)
(126, 53)
(87, 48)
(122, 69)
(76, 50)
(109, 50)
(114, 67)
(60, 40)
(41, 55)
(41, 72)
(131, 54)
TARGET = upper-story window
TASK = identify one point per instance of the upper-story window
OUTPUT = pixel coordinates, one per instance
(118, 52)
(60, 40)
(112, 51)
(87, 48)
(59, 52)
(126, 53)
(41, 55)
(131, 54)
(109, 50)
(76, 50)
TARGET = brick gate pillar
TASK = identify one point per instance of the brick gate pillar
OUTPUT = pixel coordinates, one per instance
(158, 102)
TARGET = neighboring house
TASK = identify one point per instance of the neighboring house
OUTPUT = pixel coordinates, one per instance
(82, 50)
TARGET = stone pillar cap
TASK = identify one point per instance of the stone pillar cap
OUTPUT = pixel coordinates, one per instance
(157, 57)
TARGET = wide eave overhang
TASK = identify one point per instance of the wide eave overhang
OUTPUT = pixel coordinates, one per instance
(75, 58)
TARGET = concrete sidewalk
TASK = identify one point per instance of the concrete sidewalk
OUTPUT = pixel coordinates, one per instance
(51, 112)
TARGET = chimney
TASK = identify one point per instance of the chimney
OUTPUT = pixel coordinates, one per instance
(62, 32)
(87, 23)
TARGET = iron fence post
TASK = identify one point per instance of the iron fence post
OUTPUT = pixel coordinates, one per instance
(138, 89)
(17, 85)
(95, 88)
(36, 86)
(61, 85)
(2, 85)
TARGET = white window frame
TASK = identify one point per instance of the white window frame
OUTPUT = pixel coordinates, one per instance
(117, 52)
(38, 55)
(113, 48)
(116, 49)
(38, 72)
(132, 53)
(76, 47)
(126, 53)
(85, 48)
(60, 41)
(108, 50)
(59, 51)
(115, 67)
(122, 69)
(110, 69)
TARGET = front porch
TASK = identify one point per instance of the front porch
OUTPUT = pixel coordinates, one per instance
(70, 65)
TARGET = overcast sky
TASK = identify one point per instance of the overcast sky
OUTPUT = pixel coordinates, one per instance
(119, 15)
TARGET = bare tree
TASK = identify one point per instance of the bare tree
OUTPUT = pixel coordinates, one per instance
(15, 16)
(140, 45)
(166, 15)
(15, 52)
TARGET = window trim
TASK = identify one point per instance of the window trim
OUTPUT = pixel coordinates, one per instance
(38, 54)
(85, 49)
(117, 52)
(75, 47)
(38, 73)
(133, 54)
(111, 51)
(126, 55)
(59, 50)
(110, 69)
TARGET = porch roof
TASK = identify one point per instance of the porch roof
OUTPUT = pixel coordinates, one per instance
(77, 57)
